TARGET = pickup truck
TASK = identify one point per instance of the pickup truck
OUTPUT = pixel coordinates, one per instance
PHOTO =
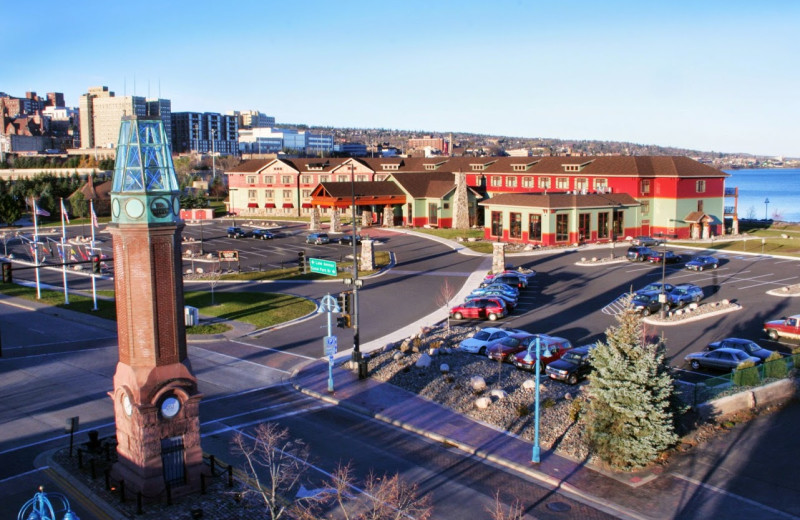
(783, 328)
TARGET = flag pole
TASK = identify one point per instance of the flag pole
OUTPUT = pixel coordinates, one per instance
(36, 249)
(94, 280)
(63, 263)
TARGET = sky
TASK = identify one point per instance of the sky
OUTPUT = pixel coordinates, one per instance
(702, 74)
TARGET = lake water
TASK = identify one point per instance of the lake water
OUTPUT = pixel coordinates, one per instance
(780, 186)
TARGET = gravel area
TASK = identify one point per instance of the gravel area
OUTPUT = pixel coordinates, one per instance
(513, 412)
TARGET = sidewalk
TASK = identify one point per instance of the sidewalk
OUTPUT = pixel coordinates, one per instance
(642, 495)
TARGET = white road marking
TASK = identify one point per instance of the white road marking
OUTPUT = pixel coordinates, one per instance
(770, 282)
(270, 349)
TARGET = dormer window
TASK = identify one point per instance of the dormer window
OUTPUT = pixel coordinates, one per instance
(430, 167)
(390, 166)
(519, 167)
(477, 167)
(572, 168)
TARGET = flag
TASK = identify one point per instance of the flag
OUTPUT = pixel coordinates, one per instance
(64, 211)
(94, 219)
(40, 211)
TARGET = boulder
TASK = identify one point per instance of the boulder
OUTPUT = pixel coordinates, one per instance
(444, 368)
(498, 393)
(477, 383)
(568, 396)
(482, 403)
(424, 361)
(398, 355)
(433, 352)
(528, 384)
(405, 346)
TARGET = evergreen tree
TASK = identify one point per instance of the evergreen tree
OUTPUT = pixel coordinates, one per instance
(630, 416)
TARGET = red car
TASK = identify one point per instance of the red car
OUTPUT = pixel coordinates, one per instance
(504, 349)
(556, 346)
(480, 308)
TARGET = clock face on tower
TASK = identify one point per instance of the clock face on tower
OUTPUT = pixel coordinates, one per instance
(170, 407)
(126, 405)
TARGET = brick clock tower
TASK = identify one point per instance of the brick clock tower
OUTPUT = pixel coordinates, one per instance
(156, 401)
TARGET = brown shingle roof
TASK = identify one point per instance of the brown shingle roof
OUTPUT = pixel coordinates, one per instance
(362, 189)
(426, 184)
(251, 166)
(561, 200)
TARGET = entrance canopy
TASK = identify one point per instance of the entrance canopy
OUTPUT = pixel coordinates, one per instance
(340, 194)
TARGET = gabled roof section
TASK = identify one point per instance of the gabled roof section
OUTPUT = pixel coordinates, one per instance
(251, 166)
(561, 200)
(342, 190)
(426, 184)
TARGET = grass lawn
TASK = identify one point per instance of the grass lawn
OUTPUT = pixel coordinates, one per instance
(382, 259)
(480, 246)
(259, 309)
(77, 302)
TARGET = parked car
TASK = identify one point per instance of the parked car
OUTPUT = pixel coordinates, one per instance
(751, 348)
(481, 308)
(501, 287)
(504, 349)
(481, 340)
(511, 279)
(684, 293)
(656, 286)
(263, 234)
(783, 328)
(647, 302)
(527, 274)
(720, 359)
(237, 232)
(658, 257)
(638, 253)
(348, 239)
(646, 241)
(510, 301)
(318, 238)
(572, 367)
(551, 348)
(701, 263)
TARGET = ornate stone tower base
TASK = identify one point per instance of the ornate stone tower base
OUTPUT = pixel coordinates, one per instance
(315, 224)
(336, 221)
(367, 262)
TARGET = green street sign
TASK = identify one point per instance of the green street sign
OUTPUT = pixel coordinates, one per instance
(318, 265)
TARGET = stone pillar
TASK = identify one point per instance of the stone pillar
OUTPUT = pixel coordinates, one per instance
(367, 262)
(706, 230)
(461, 203)
(366, 218)
(735, 226)
(695, 231)
(316, 223)
(498, 257)
(336, 221)
(388, 216)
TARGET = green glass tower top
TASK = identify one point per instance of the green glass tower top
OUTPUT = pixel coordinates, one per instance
(144, 186)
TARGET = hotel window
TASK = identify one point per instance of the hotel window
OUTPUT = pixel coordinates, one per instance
(519, 167)
(286, 179)
(562, 228)
(645, 207)
(323, 178)
(251, 179)
(515, 229)
(269, 194)
(527, 182)
(361, 178)
(645, 185)
(342, 178)
(701, 186)
(535, 228)
(581, 183)
(544, 183)
(562, 183)
(380, 177)
(700, 205)
(269, 179)
(252, 194)
(600, 185)
(497, 181)
(511, 182)
(497, 223)
(602, 225)
(477, 167)
(584, 226)
(305, 179)
(306, 194)
(287, 194)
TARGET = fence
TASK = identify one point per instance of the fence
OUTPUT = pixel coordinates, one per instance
(737, 380)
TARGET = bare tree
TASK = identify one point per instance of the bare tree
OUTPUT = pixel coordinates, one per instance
(392, 498)
(502, 512)
(279, 460)
(213, 279)
(445, 296)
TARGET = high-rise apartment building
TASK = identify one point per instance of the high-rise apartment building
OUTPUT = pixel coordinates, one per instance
(253, 119)
(204, 132)
(101, 113)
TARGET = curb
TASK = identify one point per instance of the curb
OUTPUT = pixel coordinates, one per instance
(553, 482)
(691, 318)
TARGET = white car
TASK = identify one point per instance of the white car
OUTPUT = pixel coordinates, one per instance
(480, 341)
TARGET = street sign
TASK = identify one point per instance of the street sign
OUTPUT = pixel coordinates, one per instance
(228, 256)
(330, 345)
(318, 265)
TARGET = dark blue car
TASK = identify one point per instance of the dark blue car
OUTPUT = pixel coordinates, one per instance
(701, 263)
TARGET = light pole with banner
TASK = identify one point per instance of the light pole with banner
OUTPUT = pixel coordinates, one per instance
(535, 456)
(358, 360)
(328, 305)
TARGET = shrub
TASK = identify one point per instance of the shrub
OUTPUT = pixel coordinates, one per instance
(775, 367)
(575, 409)
(523, 410)
(746, 374)
(549, 402)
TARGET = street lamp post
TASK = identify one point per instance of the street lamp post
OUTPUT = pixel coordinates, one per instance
(357, 359)
(766, 208)
(41, 507)
(663, 296)
(535, 456)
